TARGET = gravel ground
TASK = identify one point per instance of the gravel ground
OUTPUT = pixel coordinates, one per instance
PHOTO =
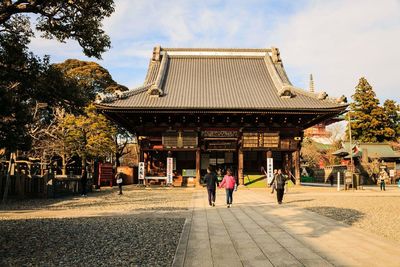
(140, 228)
(369, 209)
(93, 241)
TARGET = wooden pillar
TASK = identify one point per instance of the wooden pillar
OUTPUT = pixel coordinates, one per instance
(240, 167)
(290, 162)
(286, 162)
(198, 166)
(296, 159)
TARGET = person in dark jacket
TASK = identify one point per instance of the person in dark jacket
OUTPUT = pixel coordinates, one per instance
(84, 181)
(279, 180)
(211, 181)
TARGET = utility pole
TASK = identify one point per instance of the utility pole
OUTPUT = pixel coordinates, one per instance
(351, 147)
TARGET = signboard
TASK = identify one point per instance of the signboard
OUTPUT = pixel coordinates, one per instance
(220, 134)
(348, 177)
(170, 172)
(141, 171)
(270, 169)
(391, 173)
(189, 172)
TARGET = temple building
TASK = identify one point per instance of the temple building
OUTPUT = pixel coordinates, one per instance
(228, 108)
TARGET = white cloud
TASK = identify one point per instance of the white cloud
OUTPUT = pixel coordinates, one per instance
(341, 41)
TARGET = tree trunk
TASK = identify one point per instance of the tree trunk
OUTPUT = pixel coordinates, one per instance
(117, 154)
(64, 164)
(117, 162)
(84, 161)
(7, 186)
(20, 183)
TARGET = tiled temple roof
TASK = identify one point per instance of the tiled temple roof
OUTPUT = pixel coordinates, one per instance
(194, 78)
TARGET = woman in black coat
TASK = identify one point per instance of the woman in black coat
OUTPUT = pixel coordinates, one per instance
(211, 181)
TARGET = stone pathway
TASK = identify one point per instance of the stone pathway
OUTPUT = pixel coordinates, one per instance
(258, 232)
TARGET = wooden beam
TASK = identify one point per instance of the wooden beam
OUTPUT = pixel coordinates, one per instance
(240, 167)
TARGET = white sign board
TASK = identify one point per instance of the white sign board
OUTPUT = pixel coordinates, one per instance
(141, 171)
(270, 169)
(391, 173)
(170, 170)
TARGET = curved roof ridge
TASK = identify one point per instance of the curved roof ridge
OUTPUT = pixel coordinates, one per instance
(137, 90)
(152, 71)
(193, 49)
(320, 96)
(107, 98)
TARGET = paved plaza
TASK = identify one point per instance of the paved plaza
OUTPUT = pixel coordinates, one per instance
(258, 232)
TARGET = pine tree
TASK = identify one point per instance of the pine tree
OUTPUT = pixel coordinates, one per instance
(369, 122)
(393, 112)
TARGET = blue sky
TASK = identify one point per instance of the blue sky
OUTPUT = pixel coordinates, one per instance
(338, 41)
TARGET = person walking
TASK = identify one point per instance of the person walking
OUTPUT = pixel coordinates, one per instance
(229, 182)
(119, 179)
(382, 177)
(84, 182)
(211, 181)
(279, 181)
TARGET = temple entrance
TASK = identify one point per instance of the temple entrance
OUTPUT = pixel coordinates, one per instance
(184, 165)
(220, 161)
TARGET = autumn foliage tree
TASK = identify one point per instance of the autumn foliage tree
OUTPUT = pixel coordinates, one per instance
(369, 121)
(88, 135)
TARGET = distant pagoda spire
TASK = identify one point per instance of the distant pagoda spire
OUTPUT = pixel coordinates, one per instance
(311, 84)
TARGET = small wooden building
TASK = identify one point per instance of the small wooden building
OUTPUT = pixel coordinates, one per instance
(221, 107)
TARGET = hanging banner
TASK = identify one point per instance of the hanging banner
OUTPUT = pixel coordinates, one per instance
(170, 170)
(270, 169)
(141, 171)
